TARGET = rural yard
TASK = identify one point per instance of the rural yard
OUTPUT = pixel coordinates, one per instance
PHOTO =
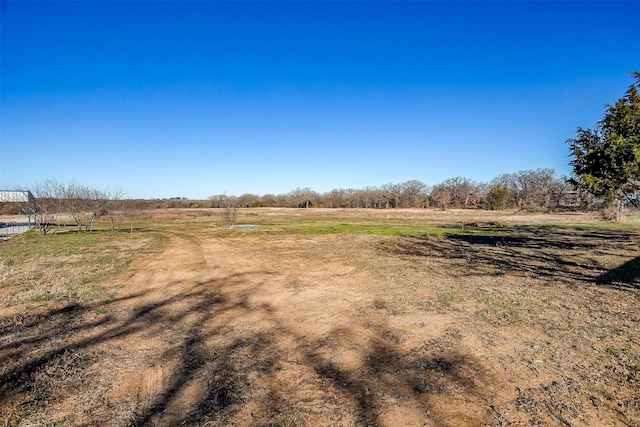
(324, 317)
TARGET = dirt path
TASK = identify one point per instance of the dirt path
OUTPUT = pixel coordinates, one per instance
(235, 331)
(327, 330)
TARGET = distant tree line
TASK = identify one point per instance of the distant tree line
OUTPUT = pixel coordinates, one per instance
(528, 190)
(74, 205)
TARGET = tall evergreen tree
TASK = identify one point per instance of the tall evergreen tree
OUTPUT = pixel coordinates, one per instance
(606, 160)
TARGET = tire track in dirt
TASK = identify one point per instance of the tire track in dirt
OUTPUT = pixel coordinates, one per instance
(229, 327)
(245, 331)
(148, 364)
(316, 349)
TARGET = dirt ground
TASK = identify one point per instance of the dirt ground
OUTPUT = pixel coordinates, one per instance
(537, 326)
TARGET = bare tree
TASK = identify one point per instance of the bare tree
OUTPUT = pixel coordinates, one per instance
(222, 201)
(248, 201)
(48, 206)
(114, 208)
(132, 211)
(83, 205)
(335, 198)
(302, 197)
(459, 190)
(340, 198)
(529, 189)
(229, 216)
(413, 194)
(270, 200)
(391, 194)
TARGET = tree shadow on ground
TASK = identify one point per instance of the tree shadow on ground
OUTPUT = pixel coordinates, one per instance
(557, 255)
(45, 358)
(211, 349)
(417, 378)
(43, 355)
(625, 276)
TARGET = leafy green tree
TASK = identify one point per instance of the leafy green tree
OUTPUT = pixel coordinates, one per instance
(497, 197)
(606, 160)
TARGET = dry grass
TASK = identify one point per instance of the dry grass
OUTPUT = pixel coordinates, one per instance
(62, 267)
(324, 317)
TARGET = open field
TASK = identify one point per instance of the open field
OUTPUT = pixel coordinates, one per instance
(324, 318)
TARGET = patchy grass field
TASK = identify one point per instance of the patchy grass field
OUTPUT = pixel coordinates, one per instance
(324, 317)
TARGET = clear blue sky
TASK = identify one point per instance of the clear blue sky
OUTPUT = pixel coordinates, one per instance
(164, 99)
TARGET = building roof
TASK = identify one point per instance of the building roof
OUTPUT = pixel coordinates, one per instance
(16, 196)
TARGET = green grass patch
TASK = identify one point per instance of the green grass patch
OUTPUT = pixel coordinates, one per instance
(504, 309)
(448, 298)
(40, 298)
(324, 226)
(66, 266)
(32, 244)
(80, 281)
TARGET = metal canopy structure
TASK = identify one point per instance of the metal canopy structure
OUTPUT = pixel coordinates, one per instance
(13, 196)
(18, 196)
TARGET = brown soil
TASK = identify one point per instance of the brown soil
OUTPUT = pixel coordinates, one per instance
(256, 329)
